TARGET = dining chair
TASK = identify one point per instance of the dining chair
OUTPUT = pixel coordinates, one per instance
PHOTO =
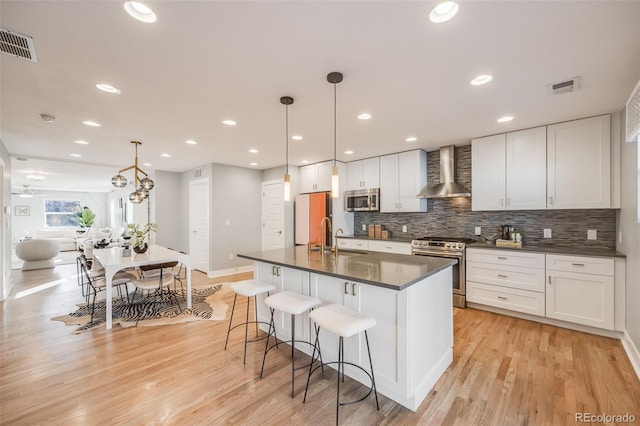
(174, 268)
(156, 279)
(97, 282)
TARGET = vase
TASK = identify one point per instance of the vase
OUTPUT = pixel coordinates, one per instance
(141, 249)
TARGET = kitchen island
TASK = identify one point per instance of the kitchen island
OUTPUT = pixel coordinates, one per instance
(410, 297)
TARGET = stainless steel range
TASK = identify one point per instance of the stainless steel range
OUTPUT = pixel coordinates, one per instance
(453, 248)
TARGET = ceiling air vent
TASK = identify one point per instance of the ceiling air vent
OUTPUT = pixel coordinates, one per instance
(18, 45)
(197, 173)
(633, 115)
(564, 86)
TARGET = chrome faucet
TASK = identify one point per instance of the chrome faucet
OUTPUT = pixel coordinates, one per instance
(323, 232)
(335, 240)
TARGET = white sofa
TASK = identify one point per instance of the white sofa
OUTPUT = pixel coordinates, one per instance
(66, 237)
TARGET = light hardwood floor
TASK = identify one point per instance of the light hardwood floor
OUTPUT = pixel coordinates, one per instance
(505, 371)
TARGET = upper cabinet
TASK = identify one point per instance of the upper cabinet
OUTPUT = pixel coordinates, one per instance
(363, 174)
(560, 166)
(578, 164)
(509, 171)
(402, 176)
(316, 177)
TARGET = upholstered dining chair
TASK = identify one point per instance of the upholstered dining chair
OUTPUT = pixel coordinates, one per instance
(156, 279)
(96, 282)
(175, 268)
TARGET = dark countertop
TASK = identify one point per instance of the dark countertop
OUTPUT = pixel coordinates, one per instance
(551, 249)
(393, 271)
(366, 237)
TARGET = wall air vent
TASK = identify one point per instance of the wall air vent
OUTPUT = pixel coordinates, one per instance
(197, 173)
(633, 115)
(19, 45)
(566, 86)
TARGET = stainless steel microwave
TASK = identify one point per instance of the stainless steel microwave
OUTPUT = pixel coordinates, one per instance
(362, 200)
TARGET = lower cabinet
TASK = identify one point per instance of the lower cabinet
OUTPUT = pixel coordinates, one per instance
(352, 244)
(390, 246)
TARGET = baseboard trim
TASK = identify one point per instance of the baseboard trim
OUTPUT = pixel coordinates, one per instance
(230, 271)
(632, 352)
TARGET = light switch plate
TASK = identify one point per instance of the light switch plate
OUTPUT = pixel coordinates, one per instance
(547, 233)
(592, 234)
(478, 230)
(364, 227)
(404, 228)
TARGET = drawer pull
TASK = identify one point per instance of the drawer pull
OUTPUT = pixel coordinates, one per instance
(502, 257)
(502, 298)
(578, 264)
(353, 289)
(346, 287)
(387, 247)
(502, 276)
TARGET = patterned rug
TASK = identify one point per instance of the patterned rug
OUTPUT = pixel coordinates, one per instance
(206, 305)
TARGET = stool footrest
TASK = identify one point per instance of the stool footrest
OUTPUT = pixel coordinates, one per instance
(337, 371)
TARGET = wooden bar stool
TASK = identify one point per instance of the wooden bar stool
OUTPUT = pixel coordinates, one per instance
(343, 322)
(292, 304)
(249, 289)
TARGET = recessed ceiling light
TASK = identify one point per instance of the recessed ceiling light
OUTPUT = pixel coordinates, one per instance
(296, 137)
(81, 142)
(364, 116)
(481, 79)
(349, 152)
(505, 119)
(108, 88)
(36, 177)
(148, 164)
(76, 155)
(191, 142)
(305, 161)
(91, 123)
(253, 151)
(411, 139)
(229, 122)
(165, 155)
(443, 12)
(253, 164)
(140, 11)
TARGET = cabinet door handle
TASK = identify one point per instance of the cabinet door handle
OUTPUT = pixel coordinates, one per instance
(353, 289)
(549, 279)
(502, 276)
(502, 298)
(273, 270)
(387, 247)
(346, 287)
(502, 257)
(578, 264)
(278, 270)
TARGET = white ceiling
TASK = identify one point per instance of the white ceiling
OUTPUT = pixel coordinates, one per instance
(205, 61)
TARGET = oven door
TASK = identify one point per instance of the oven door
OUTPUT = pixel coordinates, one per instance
(457, 269)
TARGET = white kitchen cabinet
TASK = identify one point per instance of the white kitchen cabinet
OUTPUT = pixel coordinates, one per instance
(386, 246)
(581, 290)
(402, 176)
(506, 279)
(509, 171)
(578, 164)
(363, 174)
(352, 244)
(316, 177)
(284, 279)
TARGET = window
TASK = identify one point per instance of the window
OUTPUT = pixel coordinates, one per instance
(61, 213)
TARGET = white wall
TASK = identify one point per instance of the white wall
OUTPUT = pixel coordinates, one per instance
(166, 209)
(96, 201)
(630, 228)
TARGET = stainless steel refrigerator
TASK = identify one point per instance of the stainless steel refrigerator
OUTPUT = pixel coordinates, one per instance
(310, 209)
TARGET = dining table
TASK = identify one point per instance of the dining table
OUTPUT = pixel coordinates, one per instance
(112, 260)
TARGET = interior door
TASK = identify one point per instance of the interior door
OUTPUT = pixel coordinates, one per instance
(199, 224)
(272, 215)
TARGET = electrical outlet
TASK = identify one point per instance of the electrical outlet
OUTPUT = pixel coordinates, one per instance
(592, 234)
(404, 228)
(478, 230)
(547, 233)
(364, 227)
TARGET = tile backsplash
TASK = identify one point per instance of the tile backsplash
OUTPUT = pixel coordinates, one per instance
(453, 217)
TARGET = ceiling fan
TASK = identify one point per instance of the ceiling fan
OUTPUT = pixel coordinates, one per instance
(27, 193)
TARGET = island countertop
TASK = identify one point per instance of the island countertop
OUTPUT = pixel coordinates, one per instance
(393, 271)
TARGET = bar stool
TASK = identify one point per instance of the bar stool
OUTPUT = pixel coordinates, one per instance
(343, 322)
(249, 289)
(292, 304)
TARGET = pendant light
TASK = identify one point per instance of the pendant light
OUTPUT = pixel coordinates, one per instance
(286, 101)
(143, 186)
(334, 78)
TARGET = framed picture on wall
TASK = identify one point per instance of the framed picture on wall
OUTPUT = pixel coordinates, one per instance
(22, 211)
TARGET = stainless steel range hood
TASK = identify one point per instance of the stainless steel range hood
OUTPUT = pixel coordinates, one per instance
(447, 186)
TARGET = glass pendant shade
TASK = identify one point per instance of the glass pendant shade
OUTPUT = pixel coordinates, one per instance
(287, 187)
(335, 185)
(135, 197)
(147, 184)
(143, 192)
(119, 181)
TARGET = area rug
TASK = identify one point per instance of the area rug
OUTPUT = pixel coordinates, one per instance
(206, 305)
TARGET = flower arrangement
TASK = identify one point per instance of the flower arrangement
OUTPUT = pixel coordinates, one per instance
(139, 233)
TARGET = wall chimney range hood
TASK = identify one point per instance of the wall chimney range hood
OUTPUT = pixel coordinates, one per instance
(447, 186)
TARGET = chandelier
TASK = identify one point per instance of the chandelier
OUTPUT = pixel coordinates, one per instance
(143, 186)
